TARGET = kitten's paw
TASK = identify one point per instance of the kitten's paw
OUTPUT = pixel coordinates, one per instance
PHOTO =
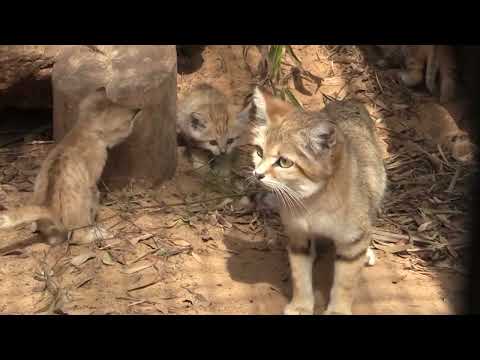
(87, 236)
(408, 79)
(295, 308)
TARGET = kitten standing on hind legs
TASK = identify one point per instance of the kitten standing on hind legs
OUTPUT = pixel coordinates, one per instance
(327, 170)
(65, 193)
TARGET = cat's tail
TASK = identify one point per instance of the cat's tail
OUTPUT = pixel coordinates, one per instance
(23, 215)
(432, 71)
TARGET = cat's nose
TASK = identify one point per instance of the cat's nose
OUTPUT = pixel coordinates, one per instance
(259, 176)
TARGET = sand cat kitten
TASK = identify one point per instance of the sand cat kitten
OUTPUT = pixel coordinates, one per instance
(424, 63)
(326, 168)
(210, 125)
(65, 194)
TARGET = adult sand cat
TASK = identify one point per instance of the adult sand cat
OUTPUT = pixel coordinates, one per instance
(326, 168)
(426, 63)
(210, 125)
(65, 194)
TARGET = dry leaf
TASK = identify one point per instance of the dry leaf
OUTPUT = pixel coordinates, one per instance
(136, 268)
(137, 239)
(425, 226)
(222, 221)
(182, 243)
(82, 258)
(197, 258)
(107, 259)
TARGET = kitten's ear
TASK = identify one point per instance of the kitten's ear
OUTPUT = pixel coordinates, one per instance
(322, 137)
(266, 107)
(243, 117)
(197, 121)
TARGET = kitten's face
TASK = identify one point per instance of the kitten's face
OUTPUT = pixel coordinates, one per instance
(294, 149)
(114, 123)
(217, 128)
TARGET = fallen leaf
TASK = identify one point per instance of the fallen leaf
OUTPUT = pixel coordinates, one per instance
(136, 268)
(107, 259)
(222, 221)
(182, 243)
(197, 258)
(82, 258)
(134, 241)
(425, 226)
(144, 284)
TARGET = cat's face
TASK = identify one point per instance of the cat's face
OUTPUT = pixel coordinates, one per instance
(217, 128)
(294, 149)
(112, 122)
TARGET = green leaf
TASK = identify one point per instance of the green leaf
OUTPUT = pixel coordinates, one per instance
(293, 55)
(292, 98)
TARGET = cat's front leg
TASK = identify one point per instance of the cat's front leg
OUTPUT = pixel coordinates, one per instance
(301, 265)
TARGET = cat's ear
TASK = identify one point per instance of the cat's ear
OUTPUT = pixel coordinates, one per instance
(321, 137)
(198, 122)
(268, 108)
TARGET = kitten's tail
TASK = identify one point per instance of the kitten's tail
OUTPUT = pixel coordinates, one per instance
(22, 215)
(432, 71)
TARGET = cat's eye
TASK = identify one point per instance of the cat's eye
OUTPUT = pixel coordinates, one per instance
(259, 151)
(230, 141)
(284, 163)
(213, 142)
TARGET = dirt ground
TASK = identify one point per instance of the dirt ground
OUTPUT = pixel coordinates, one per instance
(187, 248)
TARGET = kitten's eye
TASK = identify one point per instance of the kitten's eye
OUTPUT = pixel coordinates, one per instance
(230, 141)
(259, 152)
(285, 163)
(213, 142)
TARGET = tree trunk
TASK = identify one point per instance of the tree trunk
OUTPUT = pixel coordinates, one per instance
(136, 76)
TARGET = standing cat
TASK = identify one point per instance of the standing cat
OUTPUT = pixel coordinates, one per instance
(426, 63)
(210, 126)
(65, 194)
(327, 170)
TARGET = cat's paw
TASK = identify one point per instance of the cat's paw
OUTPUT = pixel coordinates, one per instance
(296, 308)
(332, 312)
(338, 310)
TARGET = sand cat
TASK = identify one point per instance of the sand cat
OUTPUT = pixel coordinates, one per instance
(327, 170)
(211, 127)
(65, 193)
(426, 63)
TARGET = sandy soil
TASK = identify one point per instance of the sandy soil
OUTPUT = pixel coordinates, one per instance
(206, 258)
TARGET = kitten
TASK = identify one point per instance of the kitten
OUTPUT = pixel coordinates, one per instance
(65, 193)
(210, 127)
(327, 171)
(424, 63)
